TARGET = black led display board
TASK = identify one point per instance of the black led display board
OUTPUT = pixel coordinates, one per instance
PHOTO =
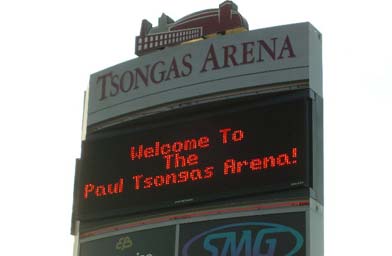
(240, 148)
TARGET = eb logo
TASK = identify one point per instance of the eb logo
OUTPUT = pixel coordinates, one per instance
(124, 243)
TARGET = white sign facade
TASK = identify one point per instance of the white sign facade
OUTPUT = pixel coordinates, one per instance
(263, 58)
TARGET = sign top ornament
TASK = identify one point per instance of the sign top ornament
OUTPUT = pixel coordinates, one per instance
(176, 67)
(194, 27)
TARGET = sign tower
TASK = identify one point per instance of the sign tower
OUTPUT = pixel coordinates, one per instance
(209, 143)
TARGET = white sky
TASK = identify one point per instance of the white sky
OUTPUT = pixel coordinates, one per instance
(48, 49)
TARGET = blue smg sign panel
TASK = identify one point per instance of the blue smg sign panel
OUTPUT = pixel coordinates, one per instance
(275, 234)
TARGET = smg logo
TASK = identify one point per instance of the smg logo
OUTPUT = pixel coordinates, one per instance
(246, 239)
